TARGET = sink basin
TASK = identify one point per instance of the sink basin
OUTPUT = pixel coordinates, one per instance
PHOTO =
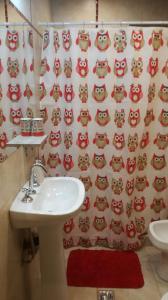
(57, 199)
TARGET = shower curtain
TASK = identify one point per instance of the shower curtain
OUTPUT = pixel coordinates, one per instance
(16, 83)
(104, 102)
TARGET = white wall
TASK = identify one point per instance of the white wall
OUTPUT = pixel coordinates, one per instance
(74, 10)
(12, 14)
(24, 6)
(134, 10)
(109, 10)
(41, 10)
(78, 10)
(34, 10)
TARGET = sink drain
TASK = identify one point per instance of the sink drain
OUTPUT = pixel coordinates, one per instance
(105, 295)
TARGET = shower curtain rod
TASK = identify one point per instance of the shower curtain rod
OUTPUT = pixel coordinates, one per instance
(115, 23)
(8, 24)
(14, 24)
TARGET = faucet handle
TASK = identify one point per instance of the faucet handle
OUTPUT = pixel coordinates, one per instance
(38, 161)
(27, 198)
(25, 189)
(29, 191)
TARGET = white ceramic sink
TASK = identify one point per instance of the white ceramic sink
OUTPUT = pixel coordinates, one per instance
(57, 199)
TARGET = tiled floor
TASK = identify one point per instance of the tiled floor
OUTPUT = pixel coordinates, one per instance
(153, 289)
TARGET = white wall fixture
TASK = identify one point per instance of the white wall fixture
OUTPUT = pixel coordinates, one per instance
(27, 141)
(56, 200)
(159, 238)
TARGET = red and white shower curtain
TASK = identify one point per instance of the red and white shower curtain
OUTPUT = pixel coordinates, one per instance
(16, 83)
(104, 102)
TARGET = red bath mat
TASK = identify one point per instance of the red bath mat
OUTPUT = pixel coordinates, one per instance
(104, 269)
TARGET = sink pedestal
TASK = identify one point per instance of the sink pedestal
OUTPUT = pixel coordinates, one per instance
(52, 263)
(56, 201)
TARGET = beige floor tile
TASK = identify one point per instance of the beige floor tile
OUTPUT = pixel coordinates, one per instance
(152, 252)
(142, 255)
(162, 285)
(82, 293)
(123, 294)
(163, 288)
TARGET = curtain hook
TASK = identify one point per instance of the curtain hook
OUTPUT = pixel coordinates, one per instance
(46, 30)
(24, 24)
(23, 27)
(14, 27)
(23, 34)
(83, 25)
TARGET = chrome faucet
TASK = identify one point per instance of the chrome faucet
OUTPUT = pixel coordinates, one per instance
(33, 180)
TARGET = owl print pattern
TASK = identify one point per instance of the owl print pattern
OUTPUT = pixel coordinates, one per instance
(104, 96)
(16, 83)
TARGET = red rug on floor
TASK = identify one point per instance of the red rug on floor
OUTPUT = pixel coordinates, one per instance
(104, 269)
